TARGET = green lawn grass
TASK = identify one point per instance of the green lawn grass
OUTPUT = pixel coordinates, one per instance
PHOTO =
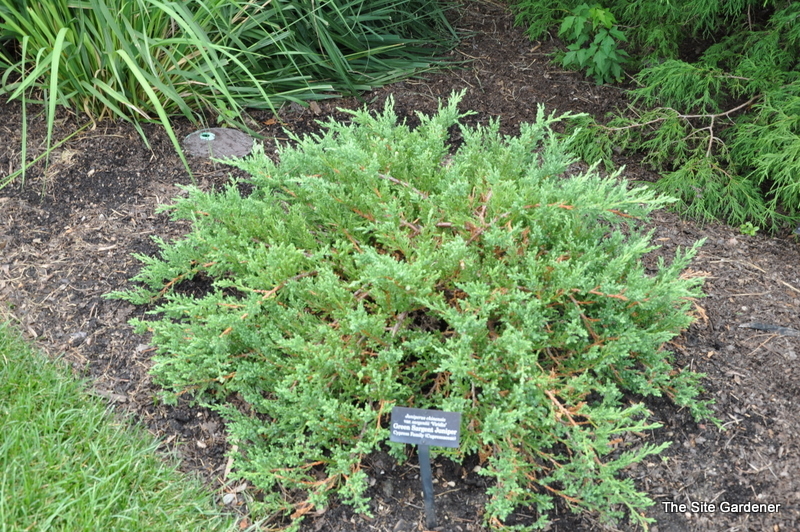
(67, 464)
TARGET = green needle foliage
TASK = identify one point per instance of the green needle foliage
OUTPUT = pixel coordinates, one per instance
(67, 465)
(207, 60)
(374, 266)
(718, 120)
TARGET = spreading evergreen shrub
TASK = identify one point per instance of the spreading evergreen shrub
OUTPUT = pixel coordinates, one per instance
(375, 266)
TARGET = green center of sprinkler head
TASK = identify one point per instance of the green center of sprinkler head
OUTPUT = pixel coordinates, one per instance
(207, 135)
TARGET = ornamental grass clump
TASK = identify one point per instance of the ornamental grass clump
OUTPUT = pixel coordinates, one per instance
(375, 266)
(208, 60)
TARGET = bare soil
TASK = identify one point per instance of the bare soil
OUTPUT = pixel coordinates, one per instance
(67, 235)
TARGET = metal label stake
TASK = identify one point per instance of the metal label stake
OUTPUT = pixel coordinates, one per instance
(427, 485)
(425, 428)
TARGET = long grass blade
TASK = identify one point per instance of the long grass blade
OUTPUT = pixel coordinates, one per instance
(24, 147)
(162, 114)
(52, 97)
(21, 172)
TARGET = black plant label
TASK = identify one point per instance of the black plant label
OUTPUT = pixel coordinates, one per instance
(425, 427)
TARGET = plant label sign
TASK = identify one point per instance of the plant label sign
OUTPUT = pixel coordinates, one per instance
(425, 427)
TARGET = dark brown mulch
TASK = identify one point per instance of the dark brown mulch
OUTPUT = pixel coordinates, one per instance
(61, 252)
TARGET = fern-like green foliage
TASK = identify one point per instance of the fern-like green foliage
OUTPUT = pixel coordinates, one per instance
(673, 83)
(768, 146)
(707, 192)
(722, 126)
(539, 17)
(374, 266)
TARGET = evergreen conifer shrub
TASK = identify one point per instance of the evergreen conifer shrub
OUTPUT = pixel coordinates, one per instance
(375, 266)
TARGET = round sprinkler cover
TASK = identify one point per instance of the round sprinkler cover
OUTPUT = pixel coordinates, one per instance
(218, 142)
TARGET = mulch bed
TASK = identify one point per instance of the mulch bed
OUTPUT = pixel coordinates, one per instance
(67, 235)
